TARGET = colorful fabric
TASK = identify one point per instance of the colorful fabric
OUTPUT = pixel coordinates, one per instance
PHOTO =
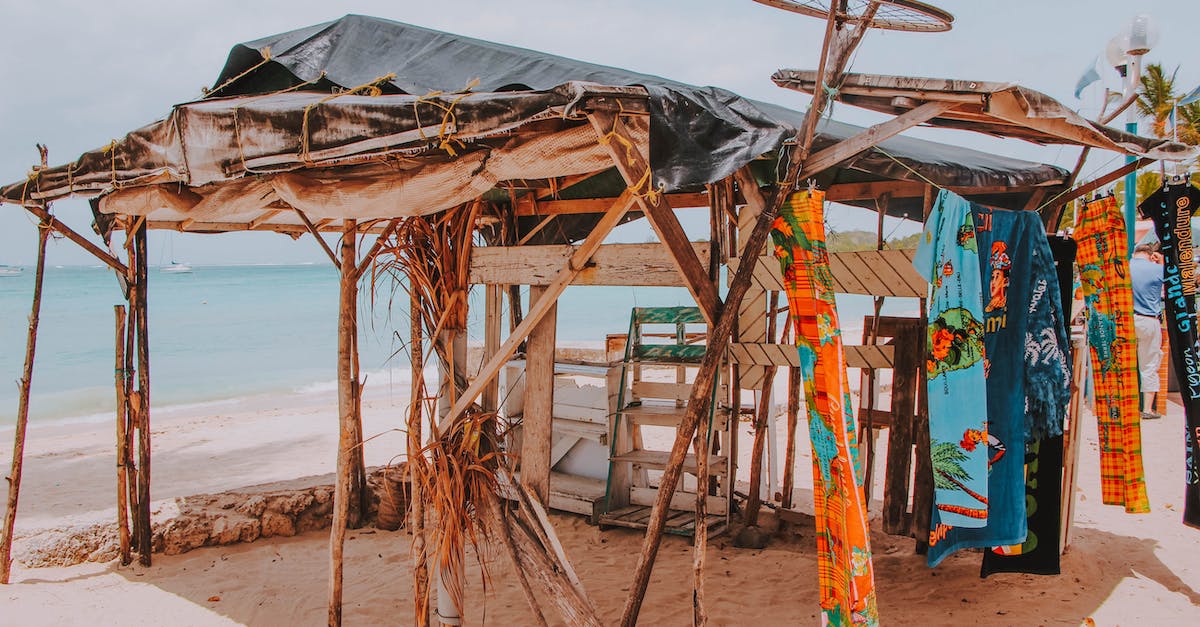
(1027, 375)
(1103, 262)
(847, 581)
(1039, 554)
(948, 257)
(1171, 208)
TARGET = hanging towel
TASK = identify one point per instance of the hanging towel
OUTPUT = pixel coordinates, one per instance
(846, 579)
(1171, 208)
(1023, 343)
(948, 257)
(1103, 261)
(1039, 554)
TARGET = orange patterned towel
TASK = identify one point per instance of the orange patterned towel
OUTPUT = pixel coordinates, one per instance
(1103, 261)
(847, 581)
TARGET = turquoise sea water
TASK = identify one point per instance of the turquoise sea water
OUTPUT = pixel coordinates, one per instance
(229, 332)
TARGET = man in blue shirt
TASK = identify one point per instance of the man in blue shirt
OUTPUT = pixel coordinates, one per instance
(1146, 277)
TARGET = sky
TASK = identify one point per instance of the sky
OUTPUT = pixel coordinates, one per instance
(78, 74)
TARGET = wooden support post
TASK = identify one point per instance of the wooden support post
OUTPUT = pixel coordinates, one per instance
(122, 438)
(342, 492)
(905, 381)
(142, 336)
(793, 419)
(415, 466)
(493, 316)
(18, 458)
(538, 423)
(700, 400)
(762, 415)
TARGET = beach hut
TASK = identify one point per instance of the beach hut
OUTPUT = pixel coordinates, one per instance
(430, 141)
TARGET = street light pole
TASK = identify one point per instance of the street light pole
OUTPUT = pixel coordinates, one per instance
(1131, 125)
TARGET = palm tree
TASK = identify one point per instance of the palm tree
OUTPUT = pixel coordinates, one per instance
(1188, 121)
(1156, 98)
(948, 473)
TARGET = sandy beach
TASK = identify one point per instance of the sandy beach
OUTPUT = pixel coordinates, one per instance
(1120, 569)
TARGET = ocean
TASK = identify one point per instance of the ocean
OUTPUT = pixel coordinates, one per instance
(222, 334)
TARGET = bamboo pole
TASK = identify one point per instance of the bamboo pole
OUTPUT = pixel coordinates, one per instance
(18, 458)
(342, 485)
(417, 504)
(130, 407)
(143, 396)
(122, 438)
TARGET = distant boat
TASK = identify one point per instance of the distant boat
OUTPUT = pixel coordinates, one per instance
(176, 268)
(10, 270)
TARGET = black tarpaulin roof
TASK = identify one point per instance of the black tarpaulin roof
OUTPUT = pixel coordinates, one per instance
(247, 150)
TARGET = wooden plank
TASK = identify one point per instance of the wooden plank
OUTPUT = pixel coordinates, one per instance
(858, 272)
(900, 439)
(658, 460)
(870, 356)
(685, 502)
(763, 354)
(66, 231)
(866, 275)
(539, 309)
(527, 207)
(538, 419)
(641, 265)
(844, 279)
(635, 168)
(843, 192)
(493, 314)
(871, 137)
(1096, 184)
(228, 227)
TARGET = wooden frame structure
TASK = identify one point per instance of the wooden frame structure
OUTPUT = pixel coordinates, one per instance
(609, 129)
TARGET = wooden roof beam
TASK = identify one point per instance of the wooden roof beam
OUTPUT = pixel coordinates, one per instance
(872, 137)
(97, 252)
(636, 171)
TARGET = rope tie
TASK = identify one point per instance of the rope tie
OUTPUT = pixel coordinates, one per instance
(446, 138)
(366, 89)
(111, 149)
(266, 58)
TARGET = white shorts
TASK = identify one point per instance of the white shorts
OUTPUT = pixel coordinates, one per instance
(1149, 351)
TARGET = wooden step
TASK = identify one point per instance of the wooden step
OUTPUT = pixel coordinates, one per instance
(658, 460)
(669, 415)
(681, 523)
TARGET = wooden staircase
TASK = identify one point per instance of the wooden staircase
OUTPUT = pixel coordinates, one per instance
(653, 393)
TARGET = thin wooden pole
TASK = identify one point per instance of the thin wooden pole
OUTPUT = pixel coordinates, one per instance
(130, 407)
(342, 485)
(793, 419)
(18, 458)
(122, 438)
(97, 252)
(143, 411)
(763, 415)
(415, 467)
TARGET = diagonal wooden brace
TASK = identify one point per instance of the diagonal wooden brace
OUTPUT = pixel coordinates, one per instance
(636, 170)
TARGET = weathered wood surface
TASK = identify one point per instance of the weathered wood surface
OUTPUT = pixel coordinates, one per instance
(122, 436)
(869, 272)
(780, 355)
(23, 386)
(634, 166)
(640, 265)
(905, 379)
(142, 333)
(538, 419)
(342, 481)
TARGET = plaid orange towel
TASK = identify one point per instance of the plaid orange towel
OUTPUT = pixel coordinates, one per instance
(1103, 261)
(845, 573)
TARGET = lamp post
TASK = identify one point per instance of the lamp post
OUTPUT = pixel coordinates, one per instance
(1125, 52)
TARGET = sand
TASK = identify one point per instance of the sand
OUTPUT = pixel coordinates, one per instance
(1120, 569)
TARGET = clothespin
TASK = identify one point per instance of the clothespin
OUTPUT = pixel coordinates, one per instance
(812, 185)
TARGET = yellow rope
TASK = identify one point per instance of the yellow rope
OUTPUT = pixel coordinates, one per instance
(266, 58)
(906, 167)
(111, 149)
(366, 89)
(445, 140)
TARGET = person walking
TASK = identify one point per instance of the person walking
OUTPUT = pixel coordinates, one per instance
(1146, 278)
